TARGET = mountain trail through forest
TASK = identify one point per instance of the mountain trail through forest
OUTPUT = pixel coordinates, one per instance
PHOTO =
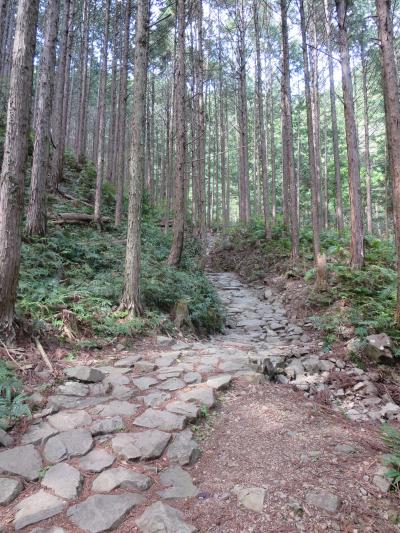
(191, 436)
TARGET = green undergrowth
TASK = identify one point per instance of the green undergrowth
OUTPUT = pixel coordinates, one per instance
(71, 281)
(12, 398)
(362, 299)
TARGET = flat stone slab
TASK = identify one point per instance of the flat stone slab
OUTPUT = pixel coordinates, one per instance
(115, 408)
(5, 439)
(53, 529)
(156, 398)
(142, 367)
(183, 450)
(166, 360)
(127, 362)
(171, 384)
(192, 377)
(37, 507)
(60, 401)
(323, 500)
(199, 394)
(64, 480)
(144, 445)
(73, 388)
(219, 382)
(69, 420)
(250, 497)
(68, 444)
(23, 461)
(85, 373)
(163, 420)
(190, 410)
(107, 425)
(96, 461)
(179, 483)
(144, 383)
(9, 489)
(161, 518)
(38, 433)
(121, 477)
(103, 512)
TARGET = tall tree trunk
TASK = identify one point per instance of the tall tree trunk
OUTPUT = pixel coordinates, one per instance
(175, 254)
(392, 115)
(122, 118)
(335, 136)
(37, 216)
(311, 139)
(14, 160)
(113, 124)
(131, 297)
(82, 114)
(368, 166)
(357, 232)
(58, 132)
(288, 139)
(102, 116)
(272, 151)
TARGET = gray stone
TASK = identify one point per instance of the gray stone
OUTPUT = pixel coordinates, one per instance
(69, 420)
(162, 340)
(9, 489)
(164, 420)
(85, 373)
(219, 382)
(68, 444)
(310, 364)
(53, 529)
(390, 409)
(294, 369)
(101, 389)
(96, 461)
(144, 366)
(127, 362)
(73, 402)
(5, 439)
(23, 461)
(122, 392)
(144, 383)
(323, 500)
(325, 365)
(380, 480)
(103, 512)
(121, 477)
(179, 483)
(161, 518)
(73, 388)
(183, 450)
(232, 366)
(199, 394)
(190, 410)
(156, 398)
(345, 448)
(107, 425)
(37, 507)
(38, 433)
(251, 498)
(143, 445)
(166, 360)
(192, 377)
(115, 408)
(64, 480)
(172, 384)
(378, 347)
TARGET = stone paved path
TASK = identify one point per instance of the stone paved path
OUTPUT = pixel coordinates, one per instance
(116, 440)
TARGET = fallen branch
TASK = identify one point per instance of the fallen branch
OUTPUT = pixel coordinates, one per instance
(76, 218)
(44, 355)
(12, 358)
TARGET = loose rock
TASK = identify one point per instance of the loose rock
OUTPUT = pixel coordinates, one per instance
(161, 518)
(37, 507)
(64, 480)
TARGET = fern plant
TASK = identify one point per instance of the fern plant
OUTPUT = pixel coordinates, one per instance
(391, 437)
(12, 398)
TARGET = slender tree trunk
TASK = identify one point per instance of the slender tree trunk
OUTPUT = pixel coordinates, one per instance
(392, 114)
(288, 139)
(14, 161)
(102, 116)
(131, 297)
(368, 166)
(272, 150)
(357, 232)
(180, 81)
(82, 117)
(37, 215)
(122, 119)
(113, 124)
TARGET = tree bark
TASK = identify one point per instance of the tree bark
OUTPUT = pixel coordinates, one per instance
(392, 115)
(131, 297)
(82, 114)
(14, 160)
(175, 254)
(37, 215)
(357, 232)
(368, 165)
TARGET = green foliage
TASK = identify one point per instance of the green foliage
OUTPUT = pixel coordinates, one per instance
(12, 398)
(391, 437)
(74, 276)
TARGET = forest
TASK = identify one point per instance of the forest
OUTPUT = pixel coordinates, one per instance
(195, 196)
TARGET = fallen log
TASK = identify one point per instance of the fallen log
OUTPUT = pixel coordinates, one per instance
(76, 218)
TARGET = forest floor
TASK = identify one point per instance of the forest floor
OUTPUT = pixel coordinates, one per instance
(112, 443)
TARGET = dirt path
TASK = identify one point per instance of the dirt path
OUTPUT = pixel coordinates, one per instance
(119, 444)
